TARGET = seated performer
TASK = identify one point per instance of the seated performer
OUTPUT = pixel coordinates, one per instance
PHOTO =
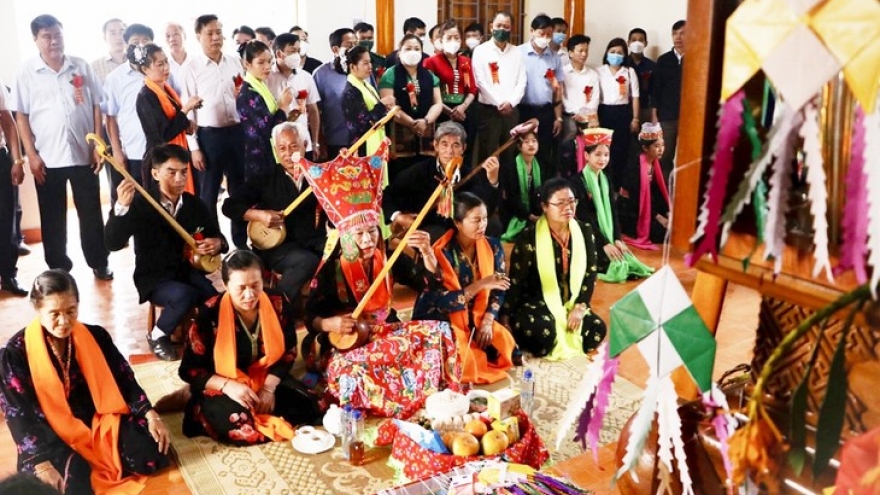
(63, 382)
(472, 266)
(402, 363)
(237, 362)
(520, 182)
(413, 187)
(651, 199)
(163, 274)
(263, 198)
(552, 275)
(596, 207)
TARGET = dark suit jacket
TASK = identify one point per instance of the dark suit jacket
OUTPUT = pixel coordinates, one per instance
(666, 87)
(158, 249)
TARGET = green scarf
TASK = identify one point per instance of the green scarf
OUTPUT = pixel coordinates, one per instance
(263, 90)
(516, 224)
(568, 344)
(618, 271)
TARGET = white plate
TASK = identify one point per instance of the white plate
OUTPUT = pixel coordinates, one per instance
(311, 441)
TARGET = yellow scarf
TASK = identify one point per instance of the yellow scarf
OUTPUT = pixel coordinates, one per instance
(98, 442)
(272, 427)
(263, 90)
(568, 344)
(371, 99)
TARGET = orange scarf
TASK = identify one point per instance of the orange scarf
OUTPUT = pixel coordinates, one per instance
(170, 106)
(98, 444)
(272, 427)
(475, 367)
(359, 282)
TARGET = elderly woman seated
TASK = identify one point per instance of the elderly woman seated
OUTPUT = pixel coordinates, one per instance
(88, 427)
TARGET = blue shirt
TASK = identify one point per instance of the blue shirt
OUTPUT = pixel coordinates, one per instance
(539, 91)
(331, 85)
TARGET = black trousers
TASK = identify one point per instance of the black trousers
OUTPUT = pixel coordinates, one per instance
(8, 240)
(493, 130)
(618, 119)
(295, 263)
(178, 298)
(52, 200)
(548, 146)
(134, 168)
(223, 148)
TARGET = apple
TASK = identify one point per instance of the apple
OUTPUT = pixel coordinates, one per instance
(465, 444)
(494, 442)
(476, 428)
(448, 438)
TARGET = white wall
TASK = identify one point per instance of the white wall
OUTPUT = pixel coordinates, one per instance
(607, 20)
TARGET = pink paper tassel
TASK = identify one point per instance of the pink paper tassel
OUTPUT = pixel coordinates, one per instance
(729, 130)
(855, 211)
(603, 394)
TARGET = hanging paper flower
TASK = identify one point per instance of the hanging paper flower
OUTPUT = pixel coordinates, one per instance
(77, 81)
(412, 91)
(550, 76)
(621, 85)
(588, 92)
(493, 68)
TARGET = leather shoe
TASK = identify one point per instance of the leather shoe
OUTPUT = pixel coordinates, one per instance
(23, 250)
(163, 348)
(103, 273)
(11, 286)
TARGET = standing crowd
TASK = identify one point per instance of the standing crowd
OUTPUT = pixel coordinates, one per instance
(361, 144)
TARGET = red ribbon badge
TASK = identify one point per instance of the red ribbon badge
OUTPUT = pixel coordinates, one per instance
(550, 76)
(493, 68)
(77, 81)
(411, 91)
(621, 81)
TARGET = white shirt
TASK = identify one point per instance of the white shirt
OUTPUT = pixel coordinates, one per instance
(511, 74)
(3, 108)
(574, 96)
(297, 81)
(611, 94)
(177, 69)
(121, 89)
(58, 121)
(215, 84)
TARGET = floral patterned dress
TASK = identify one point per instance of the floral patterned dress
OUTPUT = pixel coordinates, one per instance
(403, 362)
(37, 442)
(213, 413)
(257, 124)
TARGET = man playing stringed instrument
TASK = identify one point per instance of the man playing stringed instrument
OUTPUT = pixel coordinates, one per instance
(163, 274)
(263, 198)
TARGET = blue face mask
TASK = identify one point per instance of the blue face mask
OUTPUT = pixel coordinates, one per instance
(558, 38)
(615, 58)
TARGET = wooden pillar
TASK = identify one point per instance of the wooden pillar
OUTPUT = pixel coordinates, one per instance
(384, 26)
(700, 89)
(574, 16)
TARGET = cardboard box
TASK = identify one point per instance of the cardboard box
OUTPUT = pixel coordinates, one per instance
(503, 403)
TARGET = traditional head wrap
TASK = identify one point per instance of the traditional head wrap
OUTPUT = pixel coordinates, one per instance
(651, 131)
(597, 136)
(349, 189)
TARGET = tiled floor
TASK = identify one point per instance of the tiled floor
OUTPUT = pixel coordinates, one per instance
(115, 306)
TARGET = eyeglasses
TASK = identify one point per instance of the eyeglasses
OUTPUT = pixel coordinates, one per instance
(563, 204)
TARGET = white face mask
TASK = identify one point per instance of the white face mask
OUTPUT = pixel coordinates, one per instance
(410, 57)
(637, 47)
(340, 52)
(451, 47)
(426, 43)
(472, 43)
(303, 48)
(293, 61)
(438, 45)
(542, 42)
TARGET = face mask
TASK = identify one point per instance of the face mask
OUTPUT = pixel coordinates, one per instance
(368, 44)
(438, 45)
(501, 35)
(410, 57)
(303, 48)
(426, 43)
(293, 61)
(558, 38)
(541, 42)
(637, 47)
(340, 52)
(615, 58)
(451, 47)
(472, 42)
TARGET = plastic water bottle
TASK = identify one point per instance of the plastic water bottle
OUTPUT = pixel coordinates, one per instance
(356, 444)
(345, 428)
(527, 392)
